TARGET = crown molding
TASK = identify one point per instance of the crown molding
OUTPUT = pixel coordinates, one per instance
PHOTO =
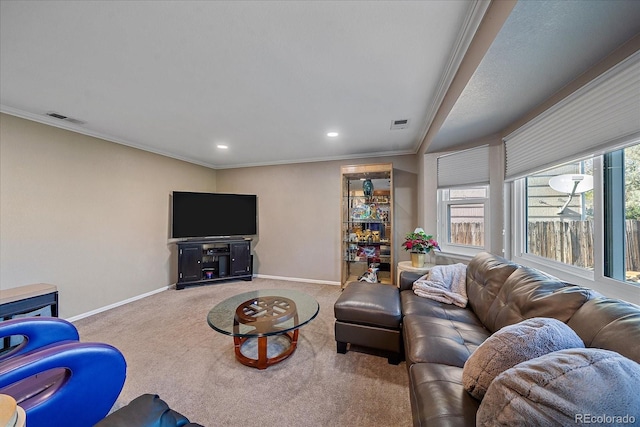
(61, 124)
(468, 31)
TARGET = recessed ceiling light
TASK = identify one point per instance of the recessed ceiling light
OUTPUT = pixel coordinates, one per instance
(222, 146)
(332, 134)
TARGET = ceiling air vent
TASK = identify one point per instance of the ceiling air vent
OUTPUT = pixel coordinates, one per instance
(65, 118)
(399, 124)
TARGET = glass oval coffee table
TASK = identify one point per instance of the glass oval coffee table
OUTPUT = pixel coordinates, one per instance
(260, 315)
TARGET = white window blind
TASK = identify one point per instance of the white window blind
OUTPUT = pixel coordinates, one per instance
(464, 167)
(597, 117)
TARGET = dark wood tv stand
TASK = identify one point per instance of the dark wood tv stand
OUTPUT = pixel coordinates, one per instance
(211, 260)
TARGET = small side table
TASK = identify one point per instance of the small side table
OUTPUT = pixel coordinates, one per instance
(25, 299)
(406, 266)
(10, 412)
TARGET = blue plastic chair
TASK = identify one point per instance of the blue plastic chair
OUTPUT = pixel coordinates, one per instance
(55, 378)
(37, 334)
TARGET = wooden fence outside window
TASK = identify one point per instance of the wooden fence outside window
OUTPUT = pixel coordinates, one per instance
(570, 242)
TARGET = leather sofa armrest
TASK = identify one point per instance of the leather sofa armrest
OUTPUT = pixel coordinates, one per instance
(407, 278)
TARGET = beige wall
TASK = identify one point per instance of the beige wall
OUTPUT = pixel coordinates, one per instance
(92, 217)
(299, 213)
(87, 215)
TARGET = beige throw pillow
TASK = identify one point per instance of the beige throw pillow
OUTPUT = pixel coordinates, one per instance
(514, 344)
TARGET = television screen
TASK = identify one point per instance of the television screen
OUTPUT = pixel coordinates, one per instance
(213, 214)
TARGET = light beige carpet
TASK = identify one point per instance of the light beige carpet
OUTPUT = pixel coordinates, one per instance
(171, 351)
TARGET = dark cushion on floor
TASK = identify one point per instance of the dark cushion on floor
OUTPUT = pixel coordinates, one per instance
(372, 304)
(147, 410)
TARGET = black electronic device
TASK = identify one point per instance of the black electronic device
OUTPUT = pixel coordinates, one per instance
(213, 215)
(223, 269)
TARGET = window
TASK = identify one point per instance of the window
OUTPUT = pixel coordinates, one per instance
(463, 201)
(462, 218)
(559, 214)
(591, 238)
(622, 214)
(583, 217)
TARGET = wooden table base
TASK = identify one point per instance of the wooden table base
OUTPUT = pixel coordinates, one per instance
(263, 362)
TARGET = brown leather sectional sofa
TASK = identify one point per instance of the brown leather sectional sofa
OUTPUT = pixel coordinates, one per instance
(438, 338)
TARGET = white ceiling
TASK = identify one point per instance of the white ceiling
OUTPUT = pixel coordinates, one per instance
(270, 79)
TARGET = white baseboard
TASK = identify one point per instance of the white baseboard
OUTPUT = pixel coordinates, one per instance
(298, 279)
(148, 294)
(117, 304)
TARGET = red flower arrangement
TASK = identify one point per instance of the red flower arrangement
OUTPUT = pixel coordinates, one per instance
(420, 242)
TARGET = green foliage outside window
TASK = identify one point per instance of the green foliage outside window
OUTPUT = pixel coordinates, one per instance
(632, 182)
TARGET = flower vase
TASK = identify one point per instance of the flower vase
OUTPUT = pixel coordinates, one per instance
(417, 259)
(431, 258)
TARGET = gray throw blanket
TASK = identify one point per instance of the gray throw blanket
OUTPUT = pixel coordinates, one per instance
(514, 344)
(444, 283)
(565, 388)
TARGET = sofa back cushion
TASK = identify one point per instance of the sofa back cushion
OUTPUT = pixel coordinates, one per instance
(610, 324)
(531, 293)
(486, 273)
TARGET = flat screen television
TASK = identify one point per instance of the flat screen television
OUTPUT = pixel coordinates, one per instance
(213, 215)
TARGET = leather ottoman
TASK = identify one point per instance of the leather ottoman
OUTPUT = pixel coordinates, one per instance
(369, 315)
